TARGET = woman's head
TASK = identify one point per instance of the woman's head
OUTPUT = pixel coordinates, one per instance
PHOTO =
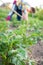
(32, 9)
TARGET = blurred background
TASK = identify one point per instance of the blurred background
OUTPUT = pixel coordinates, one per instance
(33, 3)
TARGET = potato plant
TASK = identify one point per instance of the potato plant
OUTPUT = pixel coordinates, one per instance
(13, 49)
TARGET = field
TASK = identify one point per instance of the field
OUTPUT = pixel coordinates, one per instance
(21, 42)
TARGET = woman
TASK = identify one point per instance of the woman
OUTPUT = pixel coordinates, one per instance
(17, 6)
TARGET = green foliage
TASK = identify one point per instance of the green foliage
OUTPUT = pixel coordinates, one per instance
(13, 48)
(18, 56)
(14, 43)
(30, 14)
(40, 14)
(7, 51)
(3, 13)
(4, 25)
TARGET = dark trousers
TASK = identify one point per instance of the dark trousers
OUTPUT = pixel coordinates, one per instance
(18, 11)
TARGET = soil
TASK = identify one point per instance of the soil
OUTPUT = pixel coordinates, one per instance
(37, 52)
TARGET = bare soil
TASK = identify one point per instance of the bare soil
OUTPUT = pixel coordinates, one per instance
(37, 52)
